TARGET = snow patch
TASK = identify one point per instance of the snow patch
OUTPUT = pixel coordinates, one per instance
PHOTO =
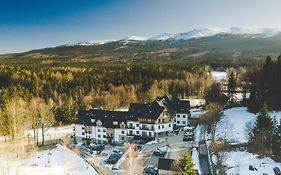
(238, 162)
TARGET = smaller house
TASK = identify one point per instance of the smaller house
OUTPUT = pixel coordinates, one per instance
(167, 166)
(196, 102)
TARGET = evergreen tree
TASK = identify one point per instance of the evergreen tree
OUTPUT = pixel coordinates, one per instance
(275, 144)
(231, 84)
(262, 131)
(185, 164)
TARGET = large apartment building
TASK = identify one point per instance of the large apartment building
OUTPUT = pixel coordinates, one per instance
(142, 120)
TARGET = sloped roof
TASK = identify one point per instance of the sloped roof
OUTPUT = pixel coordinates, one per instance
(167, 164)
(174, 104)
(149, 110)
(106, 117)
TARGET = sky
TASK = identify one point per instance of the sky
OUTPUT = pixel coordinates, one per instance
(33, 24)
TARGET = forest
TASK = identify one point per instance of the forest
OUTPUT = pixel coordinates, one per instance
(265, 85)
(37, 97)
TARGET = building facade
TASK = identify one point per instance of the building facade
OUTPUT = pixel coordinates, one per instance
(145, 121)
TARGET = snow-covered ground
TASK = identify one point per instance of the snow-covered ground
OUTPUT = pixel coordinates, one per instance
(195, 159)
(61, 161)
(51, 133)
(219, 75)
(238, 162)
(232, 125)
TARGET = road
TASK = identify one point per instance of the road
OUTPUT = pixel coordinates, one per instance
(203, 151)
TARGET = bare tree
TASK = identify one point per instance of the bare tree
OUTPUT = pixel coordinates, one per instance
(211, 119)
(132, 163)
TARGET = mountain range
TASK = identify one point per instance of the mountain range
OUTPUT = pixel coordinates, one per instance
(207, 43)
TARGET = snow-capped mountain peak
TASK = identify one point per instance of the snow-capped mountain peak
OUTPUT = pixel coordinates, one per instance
(135, 38)
(205, 32)
(91, 43)
(195, 33)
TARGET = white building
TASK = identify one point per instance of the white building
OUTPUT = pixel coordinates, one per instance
(146, 121)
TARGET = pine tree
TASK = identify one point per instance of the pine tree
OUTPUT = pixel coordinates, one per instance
(231, 84)
(262, 131)
(275, 144)
(185, 164)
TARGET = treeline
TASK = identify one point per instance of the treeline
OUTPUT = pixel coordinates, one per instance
(265, 85)
(66, 89)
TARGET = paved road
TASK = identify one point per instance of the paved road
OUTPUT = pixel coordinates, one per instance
(203, 152)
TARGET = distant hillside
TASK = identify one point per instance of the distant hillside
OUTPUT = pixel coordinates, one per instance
(219, 46)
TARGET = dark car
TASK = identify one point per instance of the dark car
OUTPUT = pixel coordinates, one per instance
(113, 158)
(188, 137)
(98, 147)
(150, 170)
(158, 152)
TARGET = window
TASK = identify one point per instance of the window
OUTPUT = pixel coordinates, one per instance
(99, 130)
(104, 130)
(122, 138)
(138, 132)
(99, 136)
(175, 119)
(178, 116)
(169, 125)
(115, 123)
(183, 116)
(163, 120)
(162, 126)
(178, 122)
(159, 120)
(83, 133)
(137, 125)
(89, 132)
(83, 128)
(104, 136)
(123, 132)
(183, 122)
(159, 127)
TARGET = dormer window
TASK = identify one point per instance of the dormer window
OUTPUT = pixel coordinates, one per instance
(99, 123)
(115, 123)
(93, 120)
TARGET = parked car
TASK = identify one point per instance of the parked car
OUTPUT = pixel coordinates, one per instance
(187, 133)
(158, 152)
(116, 151)
(176, 131)
(150, 170)
(188, 137)
(188, 128)
(113, 158)
(98, 147)
(138, 147)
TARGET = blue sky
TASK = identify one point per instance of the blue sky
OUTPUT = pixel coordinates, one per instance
(32, 24)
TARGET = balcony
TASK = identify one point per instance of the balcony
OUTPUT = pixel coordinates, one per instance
(130, 134)
(131, 127)
(147, 128)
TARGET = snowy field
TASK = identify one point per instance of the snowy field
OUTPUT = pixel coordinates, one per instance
(61, 161)
(51, 133)
(232, 125)
(238, 162)
(219, 75)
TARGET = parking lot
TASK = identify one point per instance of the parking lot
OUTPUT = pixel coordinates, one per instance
(176, 146)
(173, 146)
